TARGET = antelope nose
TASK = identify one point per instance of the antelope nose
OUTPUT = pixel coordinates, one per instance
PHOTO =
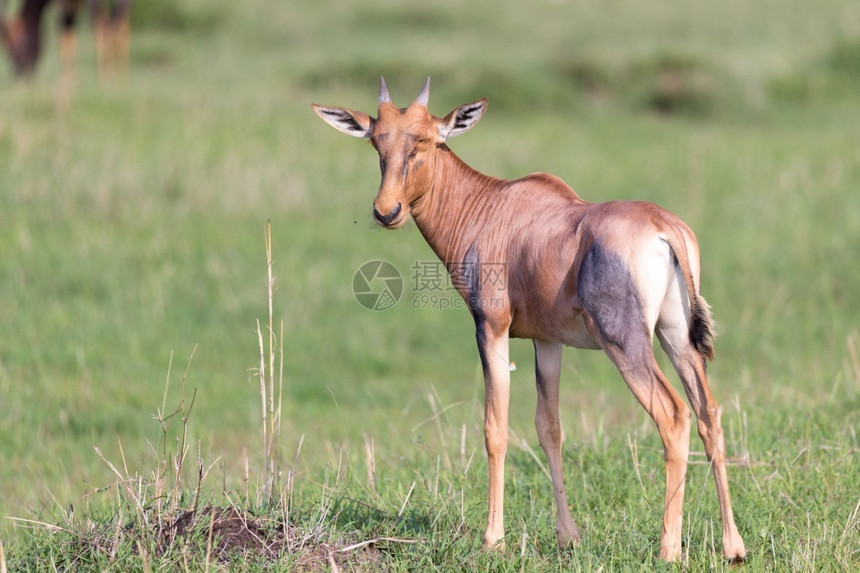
(389, 218)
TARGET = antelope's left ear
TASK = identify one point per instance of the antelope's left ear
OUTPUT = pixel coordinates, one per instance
(461, 119)
(354, 123)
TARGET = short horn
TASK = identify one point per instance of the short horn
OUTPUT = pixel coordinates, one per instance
(424, 96)
(383, 91)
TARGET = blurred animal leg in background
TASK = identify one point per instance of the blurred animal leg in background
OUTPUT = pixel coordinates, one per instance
(22, 36)
(112, 29)
(68, 40)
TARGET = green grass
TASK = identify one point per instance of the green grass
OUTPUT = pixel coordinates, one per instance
(131, 230)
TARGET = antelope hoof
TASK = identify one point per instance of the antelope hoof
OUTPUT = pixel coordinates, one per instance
(491, 544)
(670, 553)
(733, 547)
(568, 539)
(736, 555)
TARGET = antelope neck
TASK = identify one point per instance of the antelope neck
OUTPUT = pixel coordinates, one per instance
(455, 206)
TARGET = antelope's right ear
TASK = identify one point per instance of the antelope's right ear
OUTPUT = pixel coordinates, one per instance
(350, 122)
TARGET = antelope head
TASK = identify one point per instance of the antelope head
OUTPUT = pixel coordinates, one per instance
(407, 140)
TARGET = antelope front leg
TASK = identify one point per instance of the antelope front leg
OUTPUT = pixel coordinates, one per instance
(493, 348)
(547, 373)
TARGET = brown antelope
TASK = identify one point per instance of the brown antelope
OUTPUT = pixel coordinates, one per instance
(587, 275)
(22, 37)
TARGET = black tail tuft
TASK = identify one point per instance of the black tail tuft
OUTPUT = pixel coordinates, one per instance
(702, 329)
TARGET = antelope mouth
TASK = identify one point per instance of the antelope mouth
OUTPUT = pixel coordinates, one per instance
(391, 220)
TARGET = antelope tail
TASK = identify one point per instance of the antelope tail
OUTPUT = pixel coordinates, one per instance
(701, 327)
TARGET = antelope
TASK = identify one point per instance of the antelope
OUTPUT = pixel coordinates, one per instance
(603, 276)
(22, 37)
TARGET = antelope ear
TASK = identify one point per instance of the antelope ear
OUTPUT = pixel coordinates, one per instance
(461, 119)
(350, 122)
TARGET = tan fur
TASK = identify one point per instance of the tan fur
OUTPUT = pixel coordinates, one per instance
(22, 37)
(113, 39)
(581, 274)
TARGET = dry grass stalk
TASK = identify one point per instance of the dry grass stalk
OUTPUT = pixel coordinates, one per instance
(271, 412)
(2, 559)
(370, 462)
(853, 343)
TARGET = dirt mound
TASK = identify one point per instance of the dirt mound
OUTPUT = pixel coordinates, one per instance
(229, 535)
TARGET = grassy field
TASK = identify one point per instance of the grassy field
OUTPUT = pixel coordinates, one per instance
(133, 272)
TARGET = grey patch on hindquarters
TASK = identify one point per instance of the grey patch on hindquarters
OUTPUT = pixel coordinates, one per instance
(609, 295)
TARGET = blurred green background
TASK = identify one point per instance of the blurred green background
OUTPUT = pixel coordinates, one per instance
(132, 212)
